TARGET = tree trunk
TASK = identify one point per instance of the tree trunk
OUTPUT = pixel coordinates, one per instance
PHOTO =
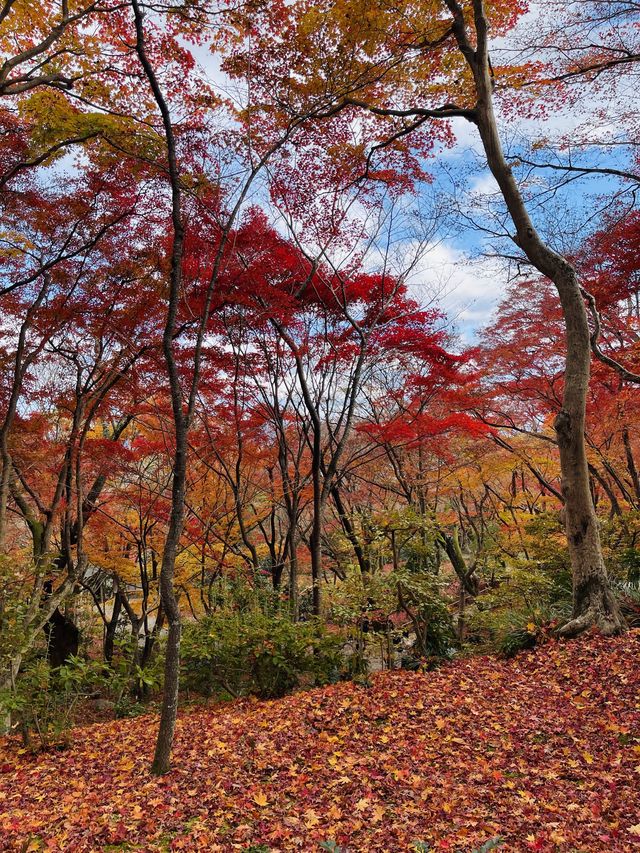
(293, 564)
(394, 551)
(112, 626)
(631, 465)
(315, 543)
(62, 638)
(468, 581)
(162, 757)
(350, 532)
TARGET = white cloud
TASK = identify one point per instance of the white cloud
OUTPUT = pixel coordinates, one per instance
(468, 291)
(484, 184)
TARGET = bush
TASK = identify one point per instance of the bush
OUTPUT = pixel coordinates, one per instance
(17, 580)
(411, 600)
(533, 590)
(517, 639)
(511, 616)
(421, 598)
(257, 653)
(44, 699)
(491, 844)
(620, 538)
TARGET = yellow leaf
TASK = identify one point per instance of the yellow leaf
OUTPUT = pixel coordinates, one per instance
(260, 799)
(378, 813)
(311, 819)
(588, 757)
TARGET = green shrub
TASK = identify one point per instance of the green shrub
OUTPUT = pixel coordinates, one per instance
(16, 584)
(415, 595)
(620, 544)
(420, 596)
(491, 844)
(44, 699)
(528, 594)
(244, 594)
(630, 602)
(257, 653)
(509, 617)
(517, 639)
(129, 683)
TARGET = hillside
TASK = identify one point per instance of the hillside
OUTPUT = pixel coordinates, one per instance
(543, 750)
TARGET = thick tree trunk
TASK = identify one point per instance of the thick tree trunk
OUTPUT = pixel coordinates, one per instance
(593, 600)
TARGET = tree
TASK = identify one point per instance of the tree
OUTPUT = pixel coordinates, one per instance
(581, 58)
(219, 200)
(75, 335)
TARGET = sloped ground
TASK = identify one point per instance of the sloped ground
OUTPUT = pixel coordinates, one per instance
(543, 750)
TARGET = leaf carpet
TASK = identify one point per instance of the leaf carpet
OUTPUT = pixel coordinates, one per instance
(542, 750)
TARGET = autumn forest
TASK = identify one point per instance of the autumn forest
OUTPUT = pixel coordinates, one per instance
(319, 425)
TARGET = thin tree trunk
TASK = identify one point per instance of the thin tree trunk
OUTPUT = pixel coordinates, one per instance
(293, 573)
(350, 532)
(631, 465)
(112, 625)
(21, 363)
(315, 538)
(182, 405)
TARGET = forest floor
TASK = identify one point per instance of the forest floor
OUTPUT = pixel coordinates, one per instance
(542, 750)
